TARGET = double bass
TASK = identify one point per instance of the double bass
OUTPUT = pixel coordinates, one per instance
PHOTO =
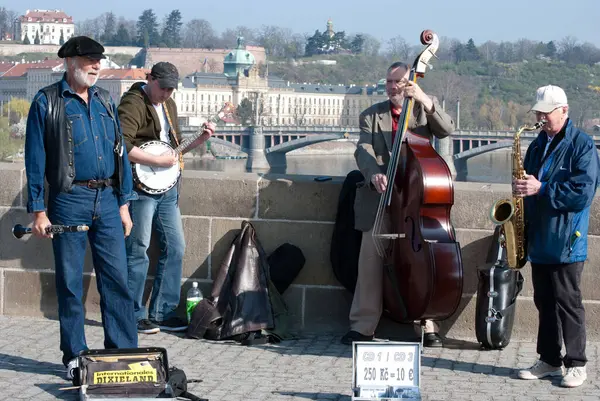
(423, 273)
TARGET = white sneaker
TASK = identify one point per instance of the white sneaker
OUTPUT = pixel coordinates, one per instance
(72, 368)
(540, 369)
(575, 377)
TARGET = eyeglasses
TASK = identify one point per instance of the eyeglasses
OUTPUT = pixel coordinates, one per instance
(542, 114)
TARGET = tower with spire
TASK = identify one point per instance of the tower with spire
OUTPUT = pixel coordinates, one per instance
(330, 32)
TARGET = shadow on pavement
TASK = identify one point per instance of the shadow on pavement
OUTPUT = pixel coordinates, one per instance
(34, 367)
(470, 367)
(315, 396)
(26, 365)
(55, 390)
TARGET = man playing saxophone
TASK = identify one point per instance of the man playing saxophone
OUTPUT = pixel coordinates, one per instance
(561, 178)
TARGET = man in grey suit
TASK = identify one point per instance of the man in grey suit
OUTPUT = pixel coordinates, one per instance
(378, 125)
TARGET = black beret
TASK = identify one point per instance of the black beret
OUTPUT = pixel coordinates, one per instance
(81, 46)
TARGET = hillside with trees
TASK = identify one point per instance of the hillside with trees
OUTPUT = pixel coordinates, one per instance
(494, 81)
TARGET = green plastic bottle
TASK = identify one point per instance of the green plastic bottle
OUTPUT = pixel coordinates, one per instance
(193, 297)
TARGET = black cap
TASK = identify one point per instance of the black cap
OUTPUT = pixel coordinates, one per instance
(81, 46)
(166, 74)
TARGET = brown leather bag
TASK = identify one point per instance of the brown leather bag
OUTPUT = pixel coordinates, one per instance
(239, 301)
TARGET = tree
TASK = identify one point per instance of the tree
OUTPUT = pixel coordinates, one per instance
(8, 146)
(199, 33)
(229, 36)
(171, 34)
(370, 45)
(356, 45)
(110, 27)
(61, 40)
(471, 51)
(147, 29)
(490, 113)
(19, 108)
(36, 40)
(314, 44)
(7, 18)
(550, 49)
(459, 52)
(91, 27)
(26, 40)
(275, 40)
(245, 112)
(122, 37)
(398, 49)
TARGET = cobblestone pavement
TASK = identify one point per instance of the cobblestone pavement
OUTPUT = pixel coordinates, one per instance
(315, 367)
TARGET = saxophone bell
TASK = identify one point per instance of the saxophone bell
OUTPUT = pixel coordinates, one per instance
(502, 211)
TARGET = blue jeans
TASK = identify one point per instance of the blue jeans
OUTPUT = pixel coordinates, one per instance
(97, 208)
(162, 213)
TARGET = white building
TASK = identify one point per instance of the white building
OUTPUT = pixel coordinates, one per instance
(48, 25)
(201, 95)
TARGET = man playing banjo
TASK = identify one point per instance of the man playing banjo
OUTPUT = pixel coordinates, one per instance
(148, 114)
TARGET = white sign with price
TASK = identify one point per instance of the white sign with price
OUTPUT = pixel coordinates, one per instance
(385, 365)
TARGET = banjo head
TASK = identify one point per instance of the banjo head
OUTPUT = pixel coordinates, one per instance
(153, 179)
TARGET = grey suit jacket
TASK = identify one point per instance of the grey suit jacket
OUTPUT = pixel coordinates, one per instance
(375, 145)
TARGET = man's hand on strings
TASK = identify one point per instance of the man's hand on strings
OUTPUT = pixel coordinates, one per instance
(379, 181)
(413, 90)
(208, 130)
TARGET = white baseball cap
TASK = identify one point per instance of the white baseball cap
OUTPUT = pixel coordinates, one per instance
(548, 98)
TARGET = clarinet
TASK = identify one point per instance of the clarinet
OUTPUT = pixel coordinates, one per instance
(19, 231)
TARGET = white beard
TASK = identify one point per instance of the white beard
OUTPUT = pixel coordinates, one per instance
(83, 78)
(397, 100)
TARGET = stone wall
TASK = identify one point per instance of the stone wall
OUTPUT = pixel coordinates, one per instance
(12, 49)
(293, 209)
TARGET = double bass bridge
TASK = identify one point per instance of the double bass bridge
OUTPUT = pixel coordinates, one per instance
(389, 236)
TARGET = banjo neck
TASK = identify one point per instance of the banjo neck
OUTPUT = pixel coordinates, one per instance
(187, 142)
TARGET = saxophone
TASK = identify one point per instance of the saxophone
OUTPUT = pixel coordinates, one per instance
(509, 213)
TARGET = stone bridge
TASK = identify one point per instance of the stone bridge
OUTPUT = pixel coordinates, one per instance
(267, 145)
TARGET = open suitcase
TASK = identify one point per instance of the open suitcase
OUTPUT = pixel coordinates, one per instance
(497, 293)
(130, 374)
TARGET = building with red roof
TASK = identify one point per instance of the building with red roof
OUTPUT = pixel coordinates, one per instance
(51, 27)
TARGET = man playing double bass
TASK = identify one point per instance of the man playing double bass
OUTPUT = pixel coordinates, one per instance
(378, 126)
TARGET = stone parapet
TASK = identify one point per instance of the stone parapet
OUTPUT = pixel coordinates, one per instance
(293, 209)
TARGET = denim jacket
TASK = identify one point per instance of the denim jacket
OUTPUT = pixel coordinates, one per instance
(54, 130)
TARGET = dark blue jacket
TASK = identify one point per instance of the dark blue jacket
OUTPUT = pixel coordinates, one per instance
(562, 207)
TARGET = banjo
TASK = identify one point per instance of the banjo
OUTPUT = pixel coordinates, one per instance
(155, 180)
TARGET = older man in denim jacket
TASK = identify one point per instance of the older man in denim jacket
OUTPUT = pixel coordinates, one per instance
(74, 141)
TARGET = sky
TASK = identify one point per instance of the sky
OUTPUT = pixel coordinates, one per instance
(481, 20)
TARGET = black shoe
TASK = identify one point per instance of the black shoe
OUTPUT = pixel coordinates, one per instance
(432, 340)
(173, 324)
(353, 336)
(145, 326)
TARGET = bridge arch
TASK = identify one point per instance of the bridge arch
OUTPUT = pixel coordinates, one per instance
(222, 142)
(307, 140)
(467, 154)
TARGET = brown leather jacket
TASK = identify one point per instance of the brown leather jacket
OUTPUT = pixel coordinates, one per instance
(139, 120)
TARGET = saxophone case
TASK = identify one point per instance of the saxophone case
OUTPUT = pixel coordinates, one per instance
(497, 292)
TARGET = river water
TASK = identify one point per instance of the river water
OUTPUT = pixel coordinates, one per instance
(491, 167)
